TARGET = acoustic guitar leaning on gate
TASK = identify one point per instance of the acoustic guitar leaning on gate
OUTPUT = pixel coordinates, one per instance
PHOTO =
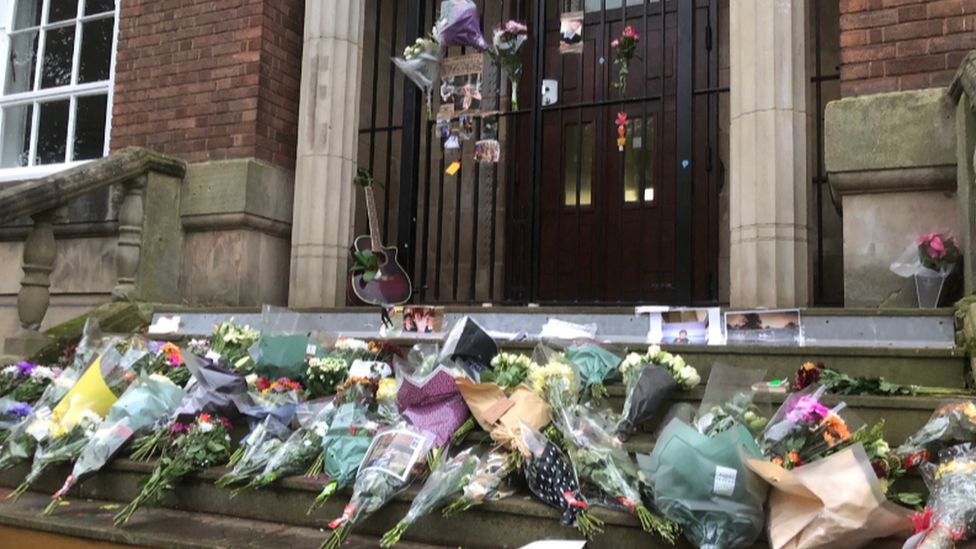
(390, 285)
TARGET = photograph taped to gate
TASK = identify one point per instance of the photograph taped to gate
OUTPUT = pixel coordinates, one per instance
(571, 32)
(461, 83)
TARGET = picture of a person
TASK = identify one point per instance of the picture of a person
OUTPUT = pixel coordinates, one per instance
(572, 31)
(682, 338)
(409, 324)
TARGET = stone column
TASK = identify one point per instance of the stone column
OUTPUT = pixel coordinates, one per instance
(770, 265)
(327, 152)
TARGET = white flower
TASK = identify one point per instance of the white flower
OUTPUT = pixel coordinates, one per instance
(688, 377)
(88, 420)
(159, 378)
(631, 361)
(251, 380)
(205, 426)
(9, 370)
(653, 352)
(41, 373)
(351, 344)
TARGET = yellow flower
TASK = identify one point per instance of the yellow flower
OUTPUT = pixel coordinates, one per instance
(387, 389)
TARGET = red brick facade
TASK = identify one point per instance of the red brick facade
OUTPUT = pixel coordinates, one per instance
(895, 45)
(209, 79)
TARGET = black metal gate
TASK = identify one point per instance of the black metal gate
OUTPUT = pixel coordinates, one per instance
(477, 235)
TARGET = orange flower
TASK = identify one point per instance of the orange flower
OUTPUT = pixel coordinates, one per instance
(172, 353)
(835, 429)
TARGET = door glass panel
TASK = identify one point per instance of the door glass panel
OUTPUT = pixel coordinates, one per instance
(597, 5)
(52, 134)
(17, 122)
(59, 50)
(638, 158)
(578, 164)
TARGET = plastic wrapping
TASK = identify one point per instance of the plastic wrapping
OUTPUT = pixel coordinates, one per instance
(432, 403)
(470, 345)
(649, 389)
(730, 399)
(420, 360)
(804, 429)
(703, 484)
(281, 348)
(421, 64)
(459, 25)
(214, 391)
(951, 423)
(302, 447)
(488, 483)
(506, 44)
(261, 444)
(594, 364)
(951, 512)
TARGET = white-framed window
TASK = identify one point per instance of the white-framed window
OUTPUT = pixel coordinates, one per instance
(56, 95)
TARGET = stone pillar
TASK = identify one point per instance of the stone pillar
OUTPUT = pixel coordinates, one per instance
(770, 264)
(35, 288)
(130, 238)
(327, 152)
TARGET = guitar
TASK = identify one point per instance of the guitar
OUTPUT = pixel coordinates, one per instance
(385, 282)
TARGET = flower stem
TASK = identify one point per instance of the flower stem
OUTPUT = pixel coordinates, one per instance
(315, 469)
(462, 431)
(235, 458)
(55, 502)
(24, 486)
(653, 523)
(588, 525)
(394, 534)
(460, 505)
(323, 497)
(337, 538)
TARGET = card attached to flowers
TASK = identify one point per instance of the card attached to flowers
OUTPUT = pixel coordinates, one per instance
(395, 452)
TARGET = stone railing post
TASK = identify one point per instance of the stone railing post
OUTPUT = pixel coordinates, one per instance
(35, 288)
(130, 238)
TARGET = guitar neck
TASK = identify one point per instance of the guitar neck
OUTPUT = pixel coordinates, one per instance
(374, 223)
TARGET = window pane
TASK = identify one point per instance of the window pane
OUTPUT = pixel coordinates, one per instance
(99, 6)
(96, 50)
(574, 164)
(90, 127)
(16, 136)
(23, 60)
(59, 50)
(639, 151)
(52, 132)
(28, 14)
(61, 10)
(597, 5)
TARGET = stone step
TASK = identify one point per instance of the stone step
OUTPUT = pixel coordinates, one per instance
(23, 525)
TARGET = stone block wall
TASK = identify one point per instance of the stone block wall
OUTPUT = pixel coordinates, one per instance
(900, 45)
(209, 80)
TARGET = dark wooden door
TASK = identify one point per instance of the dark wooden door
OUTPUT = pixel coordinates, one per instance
(607, 217)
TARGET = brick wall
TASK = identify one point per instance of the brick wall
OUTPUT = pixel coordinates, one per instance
(209, 79)
(895, 45)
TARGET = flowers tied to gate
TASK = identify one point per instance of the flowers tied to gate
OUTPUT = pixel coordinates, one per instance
(624, 49)
(938, 251)
(192, 447)
(506, 43)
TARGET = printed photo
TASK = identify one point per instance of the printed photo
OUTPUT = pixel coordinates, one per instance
(394, 452)
(781, 327)
(461, 83)
(571, 32)
(684, 327)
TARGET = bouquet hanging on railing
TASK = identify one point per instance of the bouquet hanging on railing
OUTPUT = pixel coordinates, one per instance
(488, 483)
(192, 447)
(446, 481)
(606, 468)
(392, 462)
(595, 365)
(506, 46)
(952, 423)
(650, 380)
(551, 478)
(951, 512)
(26, 381)
(230, 346)
(459, 25)
(625, 47)
(343, 446)
(421, 63)
(804, 429)
(149, 400)
(508, 370)
(301, 450)
(843, 384)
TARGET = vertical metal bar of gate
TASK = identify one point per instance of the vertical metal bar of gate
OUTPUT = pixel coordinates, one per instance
(410, 151)
(539, 18)
(684, 71)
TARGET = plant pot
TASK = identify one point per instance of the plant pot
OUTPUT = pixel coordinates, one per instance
(928, 287)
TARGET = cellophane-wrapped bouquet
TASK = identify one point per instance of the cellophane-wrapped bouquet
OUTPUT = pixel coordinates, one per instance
(257, 449)
(149, 400)
(192, 447)
(393, 461)
(804, 429)
(552, 377)
(302, 448)
(12, 414)
(605, 468)
(325, 375)
(446, 481)
(650, 380)
(167, 359)
(508, 370)
(26, 381)
(459, 25)
(343, 446)
(595, 365)
(506, 45)
(230, 345)
(488, 483)
(421, 64)
(551, 478)
(952, 423)
(64, 433)
(276, 399)
(951, 512)
(731, 400)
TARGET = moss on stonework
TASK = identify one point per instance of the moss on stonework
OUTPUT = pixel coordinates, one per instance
(115, 318)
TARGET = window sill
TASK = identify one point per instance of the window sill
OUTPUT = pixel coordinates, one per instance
(8, 175)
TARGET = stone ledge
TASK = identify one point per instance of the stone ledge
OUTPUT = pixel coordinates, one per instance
(896, 180)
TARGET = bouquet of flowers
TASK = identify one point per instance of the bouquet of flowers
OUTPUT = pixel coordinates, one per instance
(502, 413)
(12, 413)
(148, 400)
(392, 461)
(325, 375)
(167, 359)
(951, 512)
(555, 380)
(594, 364)
(803, 429)
(650, 380)
(257, 449)
(421, 63)
(938, 251)
(487, 483)
(469, 345)
(351, 350)
(951, 423)
(301, 450)
(506, 44)
(459, 25)
(26, 381)
(624, 49)
(344, 445)
(551, 478)
(432, 404)
(192, 447)
(446, 481)
(508, 370)
(230, 345)
(843, 384)
(730, 400)
(605, 467)
(702, 483)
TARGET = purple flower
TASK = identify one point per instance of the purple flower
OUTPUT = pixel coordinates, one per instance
(24, 368)
(18, 409)
(806, 410)
(153, 347)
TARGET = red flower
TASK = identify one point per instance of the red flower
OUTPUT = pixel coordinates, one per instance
(204, 418)
(807, 375)
(621, 118)
(922, 521)
(262, 384)
(629, 32)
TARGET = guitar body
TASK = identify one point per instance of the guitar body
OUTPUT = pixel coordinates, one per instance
(390, 287)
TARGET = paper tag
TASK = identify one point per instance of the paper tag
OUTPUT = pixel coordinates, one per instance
(212, 356)
(453, 168)
(724, 481)
(310, 349)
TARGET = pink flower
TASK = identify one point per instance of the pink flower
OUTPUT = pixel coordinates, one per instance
(615, 43)
(621, 119)
(629, 32)
(936, 247)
